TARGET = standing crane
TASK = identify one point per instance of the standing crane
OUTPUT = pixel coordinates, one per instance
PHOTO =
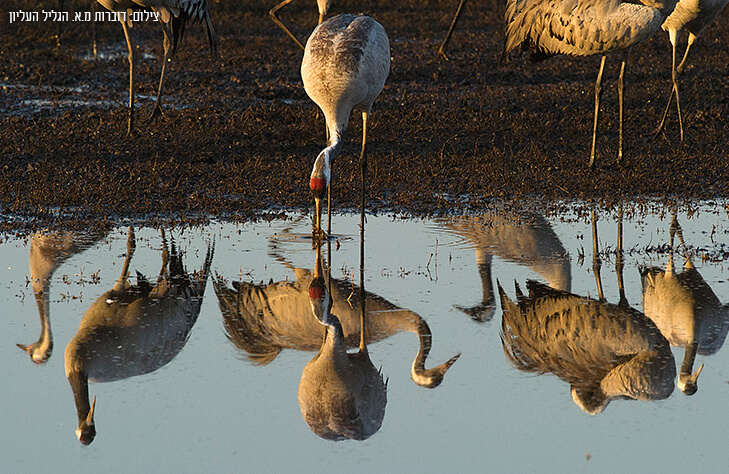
(323, 6)
(173, 16)
(693, 15)
(346, 62)
(583, 28)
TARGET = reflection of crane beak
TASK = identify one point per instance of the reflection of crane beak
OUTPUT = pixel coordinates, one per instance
(90, 416)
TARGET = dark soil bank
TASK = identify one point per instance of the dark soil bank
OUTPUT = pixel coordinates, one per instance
(239, 134)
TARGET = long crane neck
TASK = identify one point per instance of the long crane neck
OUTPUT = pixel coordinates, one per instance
(334, 143)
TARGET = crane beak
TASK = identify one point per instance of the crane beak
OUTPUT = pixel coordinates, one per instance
(317, 222)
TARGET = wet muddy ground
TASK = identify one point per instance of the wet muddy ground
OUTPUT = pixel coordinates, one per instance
(239, 134)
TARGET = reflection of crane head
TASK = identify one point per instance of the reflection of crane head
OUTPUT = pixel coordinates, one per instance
(320, 300)
(592, 402)
(38, 354)
(689, 383)
(480, 313)
(86, 431)
(431, 378)
(428, 378)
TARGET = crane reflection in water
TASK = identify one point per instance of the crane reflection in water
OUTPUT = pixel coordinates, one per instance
(342, 395)
(604, 351)
(48, 250)
(686, 310)
(134, 329)
(526, 239)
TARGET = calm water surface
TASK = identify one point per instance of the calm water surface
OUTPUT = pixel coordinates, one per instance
(195, 374)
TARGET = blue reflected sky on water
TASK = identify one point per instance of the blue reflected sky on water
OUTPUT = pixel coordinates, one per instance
(210, 407)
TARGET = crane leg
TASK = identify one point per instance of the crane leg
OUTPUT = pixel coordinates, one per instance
(672, 35)
(157, 111)
(691, 39)
(621, 94)
(329, 189)
(665, 114)
(94, 43)
(363, 164)
(674, 75)
(329, 203)
(130, 45)
(444, 45)
(598, 93)
(280, 24)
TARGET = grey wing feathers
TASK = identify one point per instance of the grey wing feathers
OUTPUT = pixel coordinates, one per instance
(575, 27)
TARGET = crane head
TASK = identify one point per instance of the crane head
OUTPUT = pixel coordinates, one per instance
(321, 174)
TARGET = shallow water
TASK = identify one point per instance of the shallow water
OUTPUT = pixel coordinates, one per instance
(212, 405)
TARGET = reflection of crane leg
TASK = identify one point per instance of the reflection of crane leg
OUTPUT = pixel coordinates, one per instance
(164, 275)
(620, 261)
(596, 262)
(122, 283)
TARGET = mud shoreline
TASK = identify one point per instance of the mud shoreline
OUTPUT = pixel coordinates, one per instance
(239, 134)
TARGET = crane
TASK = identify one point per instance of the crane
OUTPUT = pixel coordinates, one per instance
(583, 28)
(346, 62)
(692, 15)
(173, 16)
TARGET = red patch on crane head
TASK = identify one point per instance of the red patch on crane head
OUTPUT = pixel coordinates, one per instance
(318, 184)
